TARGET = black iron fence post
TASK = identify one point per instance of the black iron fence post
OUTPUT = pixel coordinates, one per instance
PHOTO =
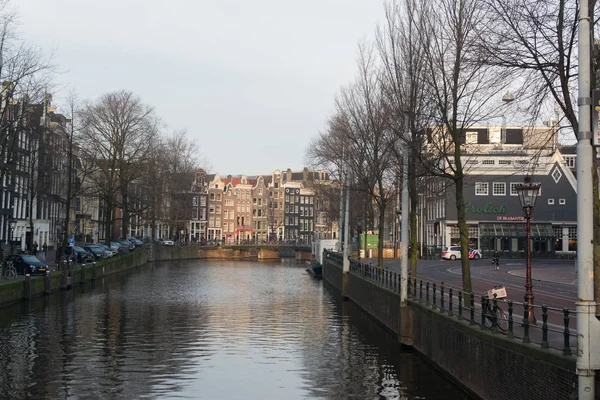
(472, 321)
(511, 332)
(566, 347)
(526, 323)
(460, 304)
(545, 343)
(450, 301)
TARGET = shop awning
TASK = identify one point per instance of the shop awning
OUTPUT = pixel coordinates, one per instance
(515, 230)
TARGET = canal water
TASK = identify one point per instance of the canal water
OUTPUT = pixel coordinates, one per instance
(206, 330)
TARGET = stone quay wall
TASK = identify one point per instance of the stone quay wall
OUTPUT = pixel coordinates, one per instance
(487, 365)
(18, 290)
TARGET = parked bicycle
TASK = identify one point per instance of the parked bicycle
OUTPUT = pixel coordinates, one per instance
(10, 272)
(499, 292)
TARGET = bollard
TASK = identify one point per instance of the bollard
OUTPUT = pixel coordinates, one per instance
(27, 287)
(94, 272)
(511, 332)
(545, 343)
(421, 290)
(82, 276)
(526, 323)
(472, 320)
(566, 347)
(47, 284)
(450, 302)
(434, 296)
(460, 304)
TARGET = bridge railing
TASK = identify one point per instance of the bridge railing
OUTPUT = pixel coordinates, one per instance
(552, 330)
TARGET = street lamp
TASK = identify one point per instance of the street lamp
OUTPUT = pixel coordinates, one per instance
(507, 99)
(528, 193)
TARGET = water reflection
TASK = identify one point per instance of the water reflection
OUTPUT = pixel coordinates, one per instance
(206, 330)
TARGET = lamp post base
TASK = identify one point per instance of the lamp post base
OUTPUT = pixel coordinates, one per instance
(529, 300)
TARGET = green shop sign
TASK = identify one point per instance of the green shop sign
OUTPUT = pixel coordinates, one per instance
(489, 208)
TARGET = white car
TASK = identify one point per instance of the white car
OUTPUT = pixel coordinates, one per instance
(167, 242)
(453, 253)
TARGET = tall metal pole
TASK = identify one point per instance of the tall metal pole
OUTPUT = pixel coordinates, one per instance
(341, 202)
(346, 264)
(528, 284)
(404, 232)
(585, 305)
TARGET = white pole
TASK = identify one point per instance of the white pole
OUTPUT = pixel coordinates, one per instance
(341, 202)
(586, 306)
(404, 232)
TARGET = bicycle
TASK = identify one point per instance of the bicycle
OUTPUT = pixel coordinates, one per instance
(10, 270)
(496, 262)
(499, 292)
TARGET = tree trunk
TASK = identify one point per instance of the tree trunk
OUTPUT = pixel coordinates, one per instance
(125, 212)
(464, 234)
(414, 230)
(382, 207)
(108, 222)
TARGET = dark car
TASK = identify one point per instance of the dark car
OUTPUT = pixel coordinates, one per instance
(27, 264)
(127, 243)
(97, 252)
(118, 247)
(80, 255)
(135, 241)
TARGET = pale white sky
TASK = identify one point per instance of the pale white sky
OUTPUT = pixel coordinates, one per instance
(252, 80)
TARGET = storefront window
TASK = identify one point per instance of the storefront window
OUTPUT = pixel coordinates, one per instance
(558, 238)
(572, 238)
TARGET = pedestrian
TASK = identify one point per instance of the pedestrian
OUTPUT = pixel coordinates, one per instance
(496, 260)
(44, 249)
(35, 247)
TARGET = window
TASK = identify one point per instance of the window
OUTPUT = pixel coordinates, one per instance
(504, 162)
(562, 202)
(194, 201)
(471, 137)
(229, 203)
(513, 188)
(212, 196)
(194, 213)
(202, 201)
(481, 188)
(550, 201)
(488, 162)
(499, 189)
(218, 197)
(570, 161)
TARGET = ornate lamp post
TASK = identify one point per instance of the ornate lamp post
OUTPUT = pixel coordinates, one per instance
(528, 193)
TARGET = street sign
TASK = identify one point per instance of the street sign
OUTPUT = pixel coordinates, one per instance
(595, 117)
(72, 241)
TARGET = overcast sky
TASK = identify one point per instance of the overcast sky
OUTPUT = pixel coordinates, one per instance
(251, 80)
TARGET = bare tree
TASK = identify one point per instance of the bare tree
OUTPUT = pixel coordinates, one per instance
(401, 44)
(368, 143)
(461, 87)
(118, 135)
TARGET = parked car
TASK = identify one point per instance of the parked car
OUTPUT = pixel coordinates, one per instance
(28, 264)
(135, 241)
(166, 242)
(127, 243)
(453, 253)
(119, 248)
(80, 255)
(97, 251)
(111, 253)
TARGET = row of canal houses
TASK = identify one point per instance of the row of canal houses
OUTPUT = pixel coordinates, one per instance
(278, 207)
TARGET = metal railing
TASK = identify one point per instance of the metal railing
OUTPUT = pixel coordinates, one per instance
(552, 331)
(387, 279)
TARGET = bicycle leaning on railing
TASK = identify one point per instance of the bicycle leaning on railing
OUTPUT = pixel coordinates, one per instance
(10, 272)
(492, 311)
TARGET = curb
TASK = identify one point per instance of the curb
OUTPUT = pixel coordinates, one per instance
(574, 283)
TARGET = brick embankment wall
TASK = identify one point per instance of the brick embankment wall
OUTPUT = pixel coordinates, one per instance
(488, 365)
(16, 291)
(382, 304)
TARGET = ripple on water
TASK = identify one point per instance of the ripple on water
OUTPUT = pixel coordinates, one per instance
(206, 330)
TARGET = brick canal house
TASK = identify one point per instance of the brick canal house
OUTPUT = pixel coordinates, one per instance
(495, 164)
